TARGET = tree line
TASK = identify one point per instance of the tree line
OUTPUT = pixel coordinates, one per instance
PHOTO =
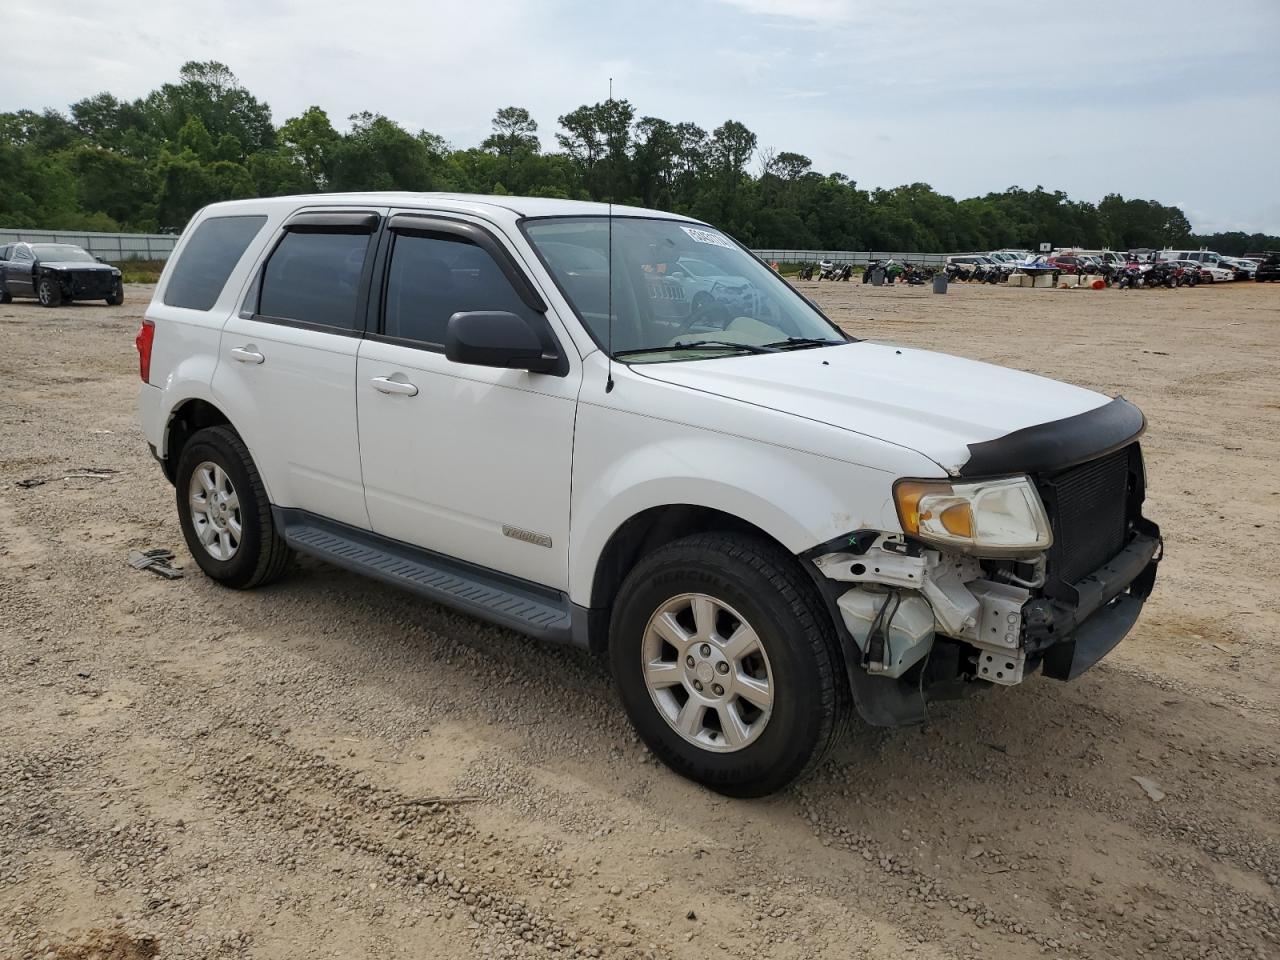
(147, 165)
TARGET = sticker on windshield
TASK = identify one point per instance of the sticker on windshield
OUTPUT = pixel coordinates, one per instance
(708, 236)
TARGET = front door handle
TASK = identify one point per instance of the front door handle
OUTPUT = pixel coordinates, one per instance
(246, 355)
(400, 387)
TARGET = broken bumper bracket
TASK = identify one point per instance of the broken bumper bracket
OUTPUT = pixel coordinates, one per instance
(1075, 636)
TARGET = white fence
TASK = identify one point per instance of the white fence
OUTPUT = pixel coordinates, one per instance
(855, 257)
(115, 247)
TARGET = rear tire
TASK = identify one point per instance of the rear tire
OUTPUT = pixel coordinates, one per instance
(49, 292)
(723, 637)
(224, 512)
(5, 295)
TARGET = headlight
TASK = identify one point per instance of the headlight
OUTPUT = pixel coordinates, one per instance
(989, 518)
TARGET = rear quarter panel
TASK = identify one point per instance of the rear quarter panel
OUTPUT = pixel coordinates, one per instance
(185, 350)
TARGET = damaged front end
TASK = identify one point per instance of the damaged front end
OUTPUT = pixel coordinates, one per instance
(995, 578)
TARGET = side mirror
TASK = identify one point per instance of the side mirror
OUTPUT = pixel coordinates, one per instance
(496, 338)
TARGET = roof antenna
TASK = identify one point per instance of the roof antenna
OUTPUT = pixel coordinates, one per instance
(608, 383)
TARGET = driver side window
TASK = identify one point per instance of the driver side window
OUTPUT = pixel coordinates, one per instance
(432, 277)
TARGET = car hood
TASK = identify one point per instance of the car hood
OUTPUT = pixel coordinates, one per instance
(75, 265)
(932, 403)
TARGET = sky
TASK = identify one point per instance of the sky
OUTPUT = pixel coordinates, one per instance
(1167, 100)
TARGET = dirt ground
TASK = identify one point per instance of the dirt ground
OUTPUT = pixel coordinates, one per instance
(330, 768)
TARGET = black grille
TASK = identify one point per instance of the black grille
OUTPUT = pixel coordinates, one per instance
(1089, 509)
(91, 283)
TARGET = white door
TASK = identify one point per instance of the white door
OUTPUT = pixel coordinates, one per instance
(287, 370)
(468, 461)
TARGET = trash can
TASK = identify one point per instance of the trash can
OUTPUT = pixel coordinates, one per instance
(939, 282)
(877, 276)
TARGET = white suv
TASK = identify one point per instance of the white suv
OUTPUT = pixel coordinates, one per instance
(511, 406)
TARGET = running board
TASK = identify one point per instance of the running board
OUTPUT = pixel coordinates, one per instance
(510, 602)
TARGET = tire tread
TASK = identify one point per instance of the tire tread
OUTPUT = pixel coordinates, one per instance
(274, 554)
(812, 624)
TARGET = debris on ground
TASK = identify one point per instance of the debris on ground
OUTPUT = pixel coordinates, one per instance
(157, 561)
(90, 473)
(77, 473)
(1151, 787)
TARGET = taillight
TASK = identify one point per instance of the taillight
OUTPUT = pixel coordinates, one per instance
(146, 334)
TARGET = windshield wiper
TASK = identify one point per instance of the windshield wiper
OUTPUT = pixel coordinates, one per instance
(698, 345)
(799, 343)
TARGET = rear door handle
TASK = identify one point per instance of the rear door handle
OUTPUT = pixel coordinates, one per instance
(387, 385)
(246, 355)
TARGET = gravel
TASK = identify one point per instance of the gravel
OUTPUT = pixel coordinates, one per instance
(330, 768)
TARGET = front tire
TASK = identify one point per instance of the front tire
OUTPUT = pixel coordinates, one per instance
(49, 291)
(116, 296)
(5, 295)
(728, 663)
(224, 512)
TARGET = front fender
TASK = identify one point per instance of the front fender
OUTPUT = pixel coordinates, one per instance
(798, 499)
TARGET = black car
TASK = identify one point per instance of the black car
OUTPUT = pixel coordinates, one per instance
(1269, 268)
(55, 273)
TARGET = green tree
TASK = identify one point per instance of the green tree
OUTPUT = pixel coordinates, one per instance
(311, 142)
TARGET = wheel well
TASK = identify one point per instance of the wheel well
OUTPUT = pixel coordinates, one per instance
(190, 417)
(641, 535)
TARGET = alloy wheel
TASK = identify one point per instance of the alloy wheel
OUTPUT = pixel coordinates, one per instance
(215, 510)
(707, 671)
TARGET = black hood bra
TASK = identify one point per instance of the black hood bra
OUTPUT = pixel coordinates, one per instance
(1058, 444)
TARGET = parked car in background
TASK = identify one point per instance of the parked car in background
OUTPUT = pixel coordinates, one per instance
(1208, 257)
(56, 273)
(1010, 258)
(1214, 272)
(1244, 269)
(763, 526)
(1075, 263)
(979, 265)
(1268, 267)
(705, 284)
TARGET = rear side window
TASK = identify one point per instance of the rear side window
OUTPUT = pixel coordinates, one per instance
(208, 259)
(432, 278)
(314, 278)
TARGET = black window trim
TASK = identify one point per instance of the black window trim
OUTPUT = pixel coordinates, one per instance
(316, 221)
(431, 223)
(332, 222)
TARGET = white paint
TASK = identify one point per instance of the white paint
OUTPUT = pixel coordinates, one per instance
(805, 445)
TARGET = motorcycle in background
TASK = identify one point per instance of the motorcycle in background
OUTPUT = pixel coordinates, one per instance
(1129, 276)
(1163, 274)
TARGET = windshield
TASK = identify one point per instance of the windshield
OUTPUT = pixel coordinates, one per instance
(673, 284)
(55, 252)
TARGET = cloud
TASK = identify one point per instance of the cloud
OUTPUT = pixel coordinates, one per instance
(884, 93)
(819, 11)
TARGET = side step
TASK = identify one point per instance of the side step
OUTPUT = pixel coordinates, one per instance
(519, 605)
